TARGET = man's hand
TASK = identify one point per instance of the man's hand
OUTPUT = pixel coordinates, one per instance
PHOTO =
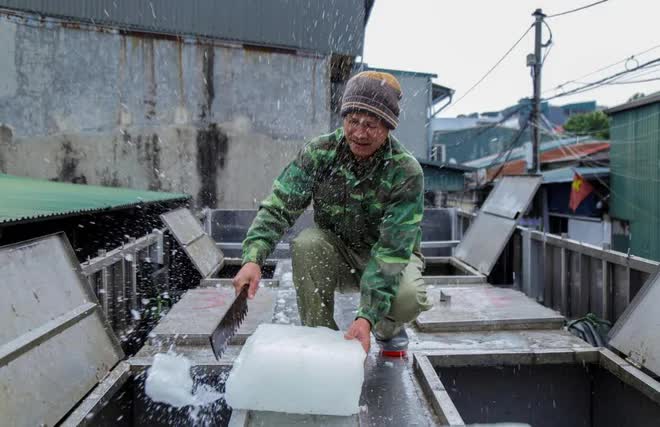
(360, 330)
(249, 274)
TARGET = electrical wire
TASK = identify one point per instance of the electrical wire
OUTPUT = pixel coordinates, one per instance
(491, 69)
(626, 59)
(603, 81)
(576, 10)
(506, 159)
(632, 76)
(629, 82)
(547, 44)
(627, 124)
(626, 199)
(484, 128)
(651, 70)
(508, 150)
(577, 156)
(547, 53)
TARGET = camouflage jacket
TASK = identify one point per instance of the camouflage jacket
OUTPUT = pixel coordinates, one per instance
(374, 206)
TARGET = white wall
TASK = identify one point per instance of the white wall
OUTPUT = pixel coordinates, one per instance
(592, 232)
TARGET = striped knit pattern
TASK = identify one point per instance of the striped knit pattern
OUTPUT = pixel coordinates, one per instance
(373, 92)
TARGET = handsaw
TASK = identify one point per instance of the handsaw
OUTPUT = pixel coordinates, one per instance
(229, 323)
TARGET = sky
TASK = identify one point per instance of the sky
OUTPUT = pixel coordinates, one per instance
(460, 40)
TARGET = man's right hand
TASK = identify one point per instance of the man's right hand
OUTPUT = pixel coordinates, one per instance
(250, 275)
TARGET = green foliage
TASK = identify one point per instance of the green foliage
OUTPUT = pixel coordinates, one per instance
(596, 124)
(636, 96)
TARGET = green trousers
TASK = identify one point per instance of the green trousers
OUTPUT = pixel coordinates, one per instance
(323, 264)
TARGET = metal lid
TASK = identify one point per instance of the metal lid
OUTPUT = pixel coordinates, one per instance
(636, 333)
(492, 228)
(54, 342)
(198, 245)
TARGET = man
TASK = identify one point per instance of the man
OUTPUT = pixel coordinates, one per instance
(367, 193)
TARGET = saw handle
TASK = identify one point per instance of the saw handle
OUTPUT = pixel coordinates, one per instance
(249, 275)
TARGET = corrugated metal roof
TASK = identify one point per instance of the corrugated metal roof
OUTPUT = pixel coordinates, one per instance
(319, 26)
(652, 98)
(401, 72)
(556, 176)
(445, 165)
(23, 199)
(574, 152)
(561, 154)
(550, 151)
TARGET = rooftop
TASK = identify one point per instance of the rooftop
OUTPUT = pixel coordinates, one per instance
(445, 165)
(650, 99)
(29, 199)
(556, 176)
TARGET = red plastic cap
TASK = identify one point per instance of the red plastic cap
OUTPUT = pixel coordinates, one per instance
(397, 353)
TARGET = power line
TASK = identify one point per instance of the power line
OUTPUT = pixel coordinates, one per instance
(628, 200)
(508, 150)
(492, 68)
(626, 59)
(629, 78)
(506, 159)
(483, 129)
(651, 70)
(576, 10)
(580, 156)
(628, 82)
(603, 81)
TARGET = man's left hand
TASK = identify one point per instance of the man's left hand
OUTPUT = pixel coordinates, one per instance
(360, 330)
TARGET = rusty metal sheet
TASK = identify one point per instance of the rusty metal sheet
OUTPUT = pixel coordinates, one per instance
(636, 332)
(54, 342)
(198, 245)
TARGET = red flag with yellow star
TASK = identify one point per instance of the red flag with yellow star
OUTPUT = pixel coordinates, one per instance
(579, 191)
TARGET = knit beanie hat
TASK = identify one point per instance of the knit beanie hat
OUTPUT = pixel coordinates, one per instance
(374, 92)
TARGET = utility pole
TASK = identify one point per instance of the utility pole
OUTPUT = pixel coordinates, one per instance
(535, 61)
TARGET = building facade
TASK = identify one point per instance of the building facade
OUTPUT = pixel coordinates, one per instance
(419, 96)
(634, 176)
(164, 97)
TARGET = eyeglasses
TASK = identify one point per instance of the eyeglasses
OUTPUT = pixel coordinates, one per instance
(370, 125)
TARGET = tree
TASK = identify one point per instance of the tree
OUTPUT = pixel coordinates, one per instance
(596, 124)
(637, 95)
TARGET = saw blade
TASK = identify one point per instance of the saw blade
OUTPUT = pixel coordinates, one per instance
(230, 323)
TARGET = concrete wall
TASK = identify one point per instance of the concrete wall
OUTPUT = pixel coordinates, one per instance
(215, 121)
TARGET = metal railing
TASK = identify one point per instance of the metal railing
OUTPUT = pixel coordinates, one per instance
(578, 278)
(114, 276)
(572, 277)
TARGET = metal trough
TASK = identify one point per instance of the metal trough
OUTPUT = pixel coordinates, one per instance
(390, 397)
(228, 228)
(450, 271)
(120, 400)
(203, 252)
(547, 387)
(544, 388)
